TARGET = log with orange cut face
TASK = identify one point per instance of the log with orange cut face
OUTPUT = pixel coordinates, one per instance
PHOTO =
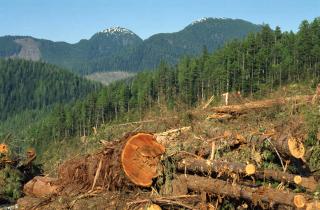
(3, 149)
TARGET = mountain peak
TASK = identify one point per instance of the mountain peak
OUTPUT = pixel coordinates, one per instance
(117, 30)
(205, 19)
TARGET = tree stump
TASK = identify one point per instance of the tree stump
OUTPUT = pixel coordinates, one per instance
(132, 161)
(140, 158)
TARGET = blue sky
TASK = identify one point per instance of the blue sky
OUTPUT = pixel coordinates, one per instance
(72, 20)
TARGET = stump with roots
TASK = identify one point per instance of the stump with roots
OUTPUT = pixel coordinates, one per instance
(132, 161)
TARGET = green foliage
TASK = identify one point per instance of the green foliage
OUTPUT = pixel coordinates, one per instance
(227, 205)
(8, 46)
(268, 156)
(26, 85)
(312, 118)
(164, 181)
(265, 60)
(212, 33)
(10, 184)
(314, 161)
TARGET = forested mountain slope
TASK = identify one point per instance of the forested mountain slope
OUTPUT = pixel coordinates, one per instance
(211, 33)
(27, 85)
(118, 48)
(257, 65)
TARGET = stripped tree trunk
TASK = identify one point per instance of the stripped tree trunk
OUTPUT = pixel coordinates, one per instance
(253, 194)
(202, 166)
(247, 107)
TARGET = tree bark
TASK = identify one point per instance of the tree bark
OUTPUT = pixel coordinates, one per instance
(202, 166)
(254, 194)
(255, 105)
(134, 160)
(288, 146)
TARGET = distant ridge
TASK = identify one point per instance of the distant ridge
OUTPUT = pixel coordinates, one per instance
(120, 49)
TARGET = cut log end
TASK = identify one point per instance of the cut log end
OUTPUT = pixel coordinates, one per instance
(296, 148)
(313, 206)
(299, 201)
(41, 187)
(3, 148)
(154, 207)
(140, 158)
(250, 169)
(297, 179)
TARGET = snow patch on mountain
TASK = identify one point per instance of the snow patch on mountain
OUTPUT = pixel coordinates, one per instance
(117, 30)
(204, 19)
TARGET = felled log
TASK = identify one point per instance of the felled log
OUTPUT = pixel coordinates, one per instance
(219, 116)
(3, 149)
(227, 140)
(262, 104)
(208, 102)
(313, 205)
(165, 137)
(174, 131)
(209, 166)
(307, 182)
(288, 146)
(132, 161)
(316, 96)
(41, 187)
(220, 167)
(145, 121)
(253, 194)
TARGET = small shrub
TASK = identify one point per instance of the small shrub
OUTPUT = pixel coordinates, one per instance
(314, 161)
(312, 118)
(10, 184)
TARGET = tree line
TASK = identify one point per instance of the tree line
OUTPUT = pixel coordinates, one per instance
(27, 85)
(259, 63)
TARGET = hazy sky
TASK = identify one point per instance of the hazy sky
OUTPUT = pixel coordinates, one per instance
(72, 20)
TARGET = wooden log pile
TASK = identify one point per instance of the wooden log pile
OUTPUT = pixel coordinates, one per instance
(203, 166)
(254, 194)
(135, 161)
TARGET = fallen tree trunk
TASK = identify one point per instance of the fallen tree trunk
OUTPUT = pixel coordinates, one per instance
(285, 146)
(134, 160)
(247, 107)
(219, 116)
(227, 141)
(254, 194)
(166, 137)
(288, 146)
(208, 102)
(41, 187)
(208, 166)
(145, 121)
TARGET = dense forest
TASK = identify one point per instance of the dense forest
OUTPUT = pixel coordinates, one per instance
(26, 85)
(258, 64)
